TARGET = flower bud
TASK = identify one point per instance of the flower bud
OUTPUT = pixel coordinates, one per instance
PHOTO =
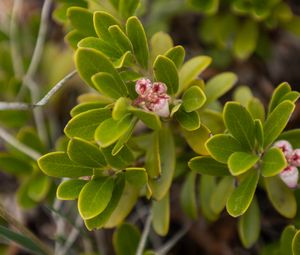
(285, 146)
(161, 107)
(159, 88)
(290, 176)
(143, 87)
(294, 158)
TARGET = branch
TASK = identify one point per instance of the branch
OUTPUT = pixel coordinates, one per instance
(13, 35)
(53, 91)
(42, 102)
(145, 234)
(18, 145)
(39, 46)
(170, 244)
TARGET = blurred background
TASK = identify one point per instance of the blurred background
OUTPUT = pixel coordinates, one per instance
(258, 40)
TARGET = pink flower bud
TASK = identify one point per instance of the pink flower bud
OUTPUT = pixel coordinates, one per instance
(159, 88)
(294, 158)
(143, 87)
(290, 176)
(285, 146)
(161, 107)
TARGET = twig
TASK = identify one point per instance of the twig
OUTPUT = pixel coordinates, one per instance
(59, 223)
(39, 46)
(13, 35)
(145, 234)
(18, 145)
(170, 244)
(71, 238)
(25, 231)
(53, 91)
(41, 102)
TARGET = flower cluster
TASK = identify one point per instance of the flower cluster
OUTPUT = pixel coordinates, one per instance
(152, 97)
(290, 174)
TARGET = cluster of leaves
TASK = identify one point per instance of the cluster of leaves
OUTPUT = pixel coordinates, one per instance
(241, 26)
(110, 159)
(243, 157)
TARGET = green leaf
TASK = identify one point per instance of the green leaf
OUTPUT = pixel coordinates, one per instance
(219, 85)
(110, 130)
(161, 186)
(85, 153)
(120, 38)
(30, 137)
(102, 22)
(221, 194)
(90, 62)
(58, 164)
(277, 121)
(188, 196)
(82, 20)
(100, 45)
(13, 165)
(256, 109)
(23, 241)
(296, 243)
(84, 124)
(241, 198)
(124, 206)
(120, 108)
(150, 119)
(281, 197)
(95, 196)
(161, 215)
(191, 70)
(70, 189)
(213, 120)
(245, 42)
(243, 95)
(38, 186)
(208, 166)
(249, 225)
(137, 36)
(176, 54)
(165, 71)
(84, 107)
(120, 160)
(206, 6)
(23, 199)
(107, 85)
(126, 239)
(240, 162)
(196, 139)
(124, 138)
(207, 185)
(136, 176)
(102, 218)
(152, 160)
(259, 133)
(273, 162)
(279, 93)
(221, 146)
(286, 240)
(240, 124)
(293, 136)
(160, 43)
(73, 38)
(127, 8)
(188, 120)
(193, 98)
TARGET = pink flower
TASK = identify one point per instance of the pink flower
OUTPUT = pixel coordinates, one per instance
(290, 176)
(294, 158)
(285, 146)
(143, 87)
(152, 97)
